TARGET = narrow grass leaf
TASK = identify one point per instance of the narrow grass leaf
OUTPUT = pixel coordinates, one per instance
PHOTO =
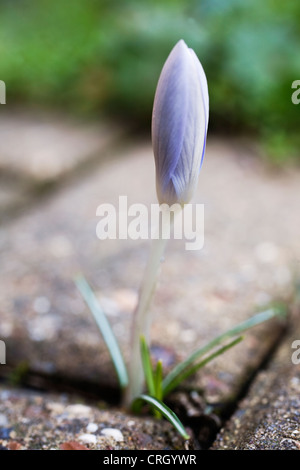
(241, 327)
(105, 329)
(147, 366)
(158, 378)
(193, 369)
(165, 411)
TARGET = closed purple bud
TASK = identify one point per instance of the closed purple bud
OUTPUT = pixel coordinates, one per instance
(179, 125)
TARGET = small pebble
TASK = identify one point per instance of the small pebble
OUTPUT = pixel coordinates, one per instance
(92, 427)
(131, 423)
(88, 438)
(3, 420)
(78, 410)
(55, 408)
(114, 433)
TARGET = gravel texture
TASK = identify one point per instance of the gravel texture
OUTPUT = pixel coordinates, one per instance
(31, 420)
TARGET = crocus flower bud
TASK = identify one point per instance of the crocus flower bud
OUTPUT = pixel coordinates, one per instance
(179, 125)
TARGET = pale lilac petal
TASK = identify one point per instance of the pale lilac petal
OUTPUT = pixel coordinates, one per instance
(204, 85)
(185, 177)
(179, 125)
(169, 113)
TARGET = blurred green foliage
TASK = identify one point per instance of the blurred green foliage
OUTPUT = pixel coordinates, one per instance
(95, 56)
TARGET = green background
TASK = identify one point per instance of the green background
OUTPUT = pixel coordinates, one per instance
(96, 57)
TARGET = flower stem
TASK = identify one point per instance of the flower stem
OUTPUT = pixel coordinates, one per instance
(142, 319)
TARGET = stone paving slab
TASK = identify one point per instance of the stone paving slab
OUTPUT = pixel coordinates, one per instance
(35, 421)
(38, 149)
(251, 255)
(269, 417)
(42, 146)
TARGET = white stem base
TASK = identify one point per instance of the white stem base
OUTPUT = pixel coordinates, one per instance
(142, 319)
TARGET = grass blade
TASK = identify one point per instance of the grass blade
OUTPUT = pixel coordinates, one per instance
(105, 329)
(147, 366)
(158, 377)
(165, 411)
(241, 327)
(193, 369)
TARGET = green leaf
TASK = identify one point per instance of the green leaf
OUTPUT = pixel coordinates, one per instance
(105, 329)
(165, 411)
(251, 322)
(192, 370)
(147, 366)
(158, 378)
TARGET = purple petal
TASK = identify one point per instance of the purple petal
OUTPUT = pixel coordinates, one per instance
(169, 113)
(179, 125)
(204, 86)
